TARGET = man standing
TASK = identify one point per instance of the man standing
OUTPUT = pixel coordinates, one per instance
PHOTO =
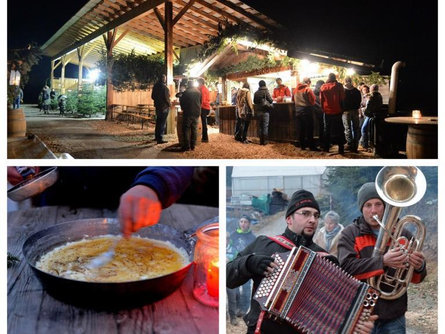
(239, 240)
(304, 99)
(327, 237)
(190, 102)
(205, 108)
(255, 261)
(161, 98)
(350, 117)
(281, 91)
(332, 95)
(262, 105)
(355, 250)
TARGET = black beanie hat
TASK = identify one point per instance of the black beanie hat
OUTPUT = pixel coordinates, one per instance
(301, 199)
(365, 193)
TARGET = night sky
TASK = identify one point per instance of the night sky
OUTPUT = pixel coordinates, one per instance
(377, 32)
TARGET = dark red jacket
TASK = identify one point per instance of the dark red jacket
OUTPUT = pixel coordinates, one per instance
(355, 248)
(332, 95)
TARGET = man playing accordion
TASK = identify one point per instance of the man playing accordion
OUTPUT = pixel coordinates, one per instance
(255, 261)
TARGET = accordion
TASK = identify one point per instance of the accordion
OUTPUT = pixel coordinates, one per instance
(314, 295)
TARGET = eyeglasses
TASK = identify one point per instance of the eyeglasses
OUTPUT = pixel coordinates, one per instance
(308, 214)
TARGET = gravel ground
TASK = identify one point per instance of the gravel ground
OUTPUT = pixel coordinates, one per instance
(97, 138)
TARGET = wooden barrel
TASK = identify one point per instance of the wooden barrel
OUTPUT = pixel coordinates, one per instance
(179, 129)
(421, 142)
(16, 123)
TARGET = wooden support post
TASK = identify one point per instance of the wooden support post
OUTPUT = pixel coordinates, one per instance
(52, 73)
(109, 43)
(80, 56)
(168, 33)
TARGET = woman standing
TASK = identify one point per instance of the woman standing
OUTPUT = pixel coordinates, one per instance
(244, 113)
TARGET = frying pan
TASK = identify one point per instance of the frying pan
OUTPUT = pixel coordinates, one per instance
(35, 186)
(98, 294)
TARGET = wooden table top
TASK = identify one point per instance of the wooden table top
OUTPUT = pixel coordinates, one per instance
(424, 120)
(32, 310)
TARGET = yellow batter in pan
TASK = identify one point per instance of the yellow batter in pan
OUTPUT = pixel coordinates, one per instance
(135, 259)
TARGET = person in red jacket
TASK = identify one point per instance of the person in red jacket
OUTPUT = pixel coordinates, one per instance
(304, 100)
(332, 95)
(205, 109)
(280, 92)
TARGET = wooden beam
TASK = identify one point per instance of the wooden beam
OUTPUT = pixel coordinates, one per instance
(122, 35)
(160, 18)
(245, 13)
(182, 12)
(142, 8)
(200, 11)
(219, 10)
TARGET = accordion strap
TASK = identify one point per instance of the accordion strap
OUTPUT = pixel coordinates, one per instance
(259, 322)
(283, 241)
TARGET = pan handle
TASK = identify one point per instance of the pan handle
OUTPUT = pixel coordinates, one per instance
(190, 234)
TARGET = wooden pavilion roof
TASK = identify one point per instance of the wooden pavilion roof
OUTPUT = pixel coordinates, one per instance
(138, 22)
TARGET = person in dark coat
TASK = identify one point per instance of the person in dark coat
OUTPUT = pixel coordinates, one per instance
(161, 98)
(350, 116)
(263, 106)
(373, 112)
(355, 253)
(318, 111)
(255, 261)
(190, 102)
(238, 299)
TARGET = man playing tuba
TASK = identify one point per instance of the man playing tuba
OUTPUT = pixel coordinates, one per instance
(355, 253)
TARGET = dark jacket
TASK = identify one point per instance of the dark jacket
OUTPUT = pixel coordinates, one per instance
(352, 100)
(190, 102)
(240, 240)
(161, 96)
(238, 274)
(374, 105)
(168, 182)
(355, 248)
(258, 99)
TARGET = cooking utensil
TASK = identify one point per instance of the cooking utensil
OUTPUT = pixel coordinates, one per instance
(96, 294)
(104, 258)
(34, 186)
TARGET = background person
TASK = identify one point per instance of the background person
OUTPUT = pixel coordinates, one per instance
(161, 98)
(239, 240)
(244, 113)
(205, 108)
(332, 95)
(281, 91)
(263, 106)
(190, 102)
(327, 237)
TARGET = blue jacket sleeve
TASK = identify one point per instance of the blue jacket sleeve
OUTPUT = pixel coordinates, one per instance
(168, 182)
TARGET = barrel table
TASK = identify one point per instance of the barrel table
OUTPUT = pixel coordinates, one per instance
(421, 139)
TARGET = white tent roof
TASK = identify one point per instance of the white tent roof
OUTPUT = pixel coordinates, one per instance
(276, 171)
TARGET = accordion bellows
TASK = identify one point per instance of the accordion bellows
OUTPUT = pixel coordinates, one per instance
(313, 295)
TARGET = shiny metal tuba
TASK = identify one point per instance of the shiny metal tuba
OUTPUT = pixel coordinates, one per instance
(399, 187)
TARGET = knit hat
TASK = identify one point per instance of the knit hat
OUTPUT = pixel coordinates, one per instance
(366, 192)
(301, 199)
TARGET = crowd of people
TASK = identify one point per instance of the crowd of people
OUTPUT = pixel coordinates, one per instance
(349, 247)
(344, 113)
